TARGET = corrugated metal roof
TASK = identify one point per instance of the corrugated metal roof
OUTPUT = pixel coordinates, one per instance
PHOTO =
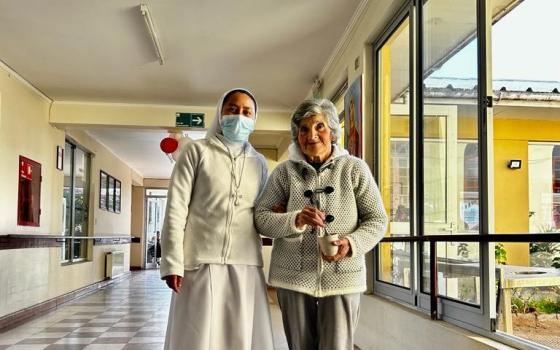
(537, 86)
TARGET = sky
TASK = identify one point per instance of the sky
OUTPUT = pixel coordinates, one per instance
(525, 46)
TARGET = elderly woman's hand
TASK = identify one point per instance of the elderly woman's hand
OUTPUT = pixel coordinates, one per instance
(343, 250)
(310, 216)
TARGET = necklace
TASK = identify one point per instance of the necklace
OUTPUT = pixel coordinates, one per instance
(236, 182)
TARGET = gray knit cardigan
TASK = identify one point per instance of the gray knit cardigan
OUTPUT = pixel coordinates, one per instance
(356, 204)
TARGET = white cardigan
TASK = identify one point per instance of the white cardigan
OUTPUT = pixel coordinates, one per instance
(202, 223)
(359, 216)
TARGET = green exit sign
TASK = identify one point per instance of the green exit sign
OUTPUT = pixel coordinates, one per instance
(189, 120)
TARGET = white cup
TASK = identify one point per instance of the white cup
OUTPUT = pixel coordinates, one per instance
(325, 242)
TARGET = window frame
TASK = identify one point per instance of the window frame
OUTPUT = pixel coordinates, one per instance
(480, 319)
(72, 238)
(473, 317)
(399, 293)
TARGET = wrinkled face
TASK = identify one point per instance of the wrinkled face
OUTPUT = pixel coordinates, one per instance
(239, 103)
(315, 138)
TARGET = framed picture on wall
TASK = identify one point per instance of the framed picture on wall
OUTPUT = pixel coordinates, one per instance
(59, 157)
(353, 118)
(103, 189)
(110, 190)
(117, 196)
(111, 194)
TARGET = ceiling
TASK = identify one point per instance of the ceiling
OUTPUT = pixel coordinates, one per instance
(139, 148)
(101, 51)
(82, 50)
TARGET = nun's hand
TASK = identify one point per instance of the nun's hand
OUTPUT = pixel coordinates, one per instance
(279, 208)
(174, 282)
(310, 216)
(343, 250)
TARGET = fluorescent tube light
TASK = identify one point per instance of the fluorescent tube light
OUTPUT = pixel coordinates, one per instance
(152, 30)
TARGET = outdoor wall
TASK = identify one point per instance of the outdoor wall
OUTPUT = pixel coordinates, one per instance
(31, 276)
(511, 193)
(511, 197)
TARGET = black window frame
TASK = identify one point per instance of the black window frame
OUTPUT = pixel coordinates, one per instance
(482, 318)
(76, 242)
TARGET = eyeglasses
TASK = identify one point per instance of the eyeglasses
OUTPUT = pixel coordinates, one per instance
(311, 195)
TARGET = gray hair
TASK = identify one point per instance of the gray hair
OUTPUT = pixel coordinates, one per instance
(316, 106)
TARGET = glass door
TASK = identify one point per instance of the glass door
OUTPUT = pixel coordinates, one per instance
(156, 201)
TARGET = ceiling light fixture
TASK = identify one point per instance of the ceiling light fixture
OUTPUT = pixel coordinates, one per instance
(152, 30)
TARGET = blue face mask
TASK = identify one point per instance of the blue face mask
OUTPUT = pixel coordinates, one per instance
(237, 128)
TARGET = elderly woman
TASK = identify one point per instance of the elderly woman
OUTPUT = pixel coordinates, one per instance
(211, 252)
(321, 190)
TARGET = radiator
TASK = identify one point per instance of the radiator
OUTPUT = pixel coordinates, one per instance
(114, 264)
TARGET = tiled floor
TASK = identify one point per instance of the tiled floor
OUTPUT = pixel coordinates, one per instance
(131, 314)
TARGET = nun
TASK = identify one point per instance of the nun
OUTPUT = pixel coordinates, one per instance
(211, 251)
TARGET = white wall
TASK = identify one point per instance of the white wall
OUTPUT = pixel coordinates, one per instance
(31, 276)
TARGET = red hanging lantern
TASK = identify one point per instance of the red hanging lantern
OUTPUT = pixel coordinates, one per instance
(169, 145)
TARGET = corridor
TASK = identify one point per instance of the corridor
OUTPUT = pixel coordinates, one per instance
(130, 314)
(451, 108)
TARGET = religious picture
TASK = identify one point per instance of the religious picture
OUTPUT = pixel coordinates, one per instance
(353, 118)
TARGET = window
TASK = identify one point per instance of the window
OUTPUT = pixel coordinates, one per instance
(394, 149)
(76, 202)
(156, 202)
(527, 129)
(481, 239)
(450, 120)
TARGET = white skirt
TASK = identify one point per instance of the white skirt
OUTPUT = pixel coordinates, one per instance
(220, 307)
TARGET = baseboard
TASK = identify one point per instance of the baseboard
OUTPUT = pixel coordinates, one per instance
(17, 318)
(135, 268)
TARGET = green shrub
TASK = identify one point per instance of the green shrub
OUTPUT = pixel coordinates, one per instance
(543, 306)
(547, 306)
(500, 254)
(517, 304)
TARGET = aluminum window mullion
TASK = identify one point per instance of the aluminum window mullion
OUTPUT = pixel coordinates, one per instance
(72, 206)
(418, 151)
(485, 175)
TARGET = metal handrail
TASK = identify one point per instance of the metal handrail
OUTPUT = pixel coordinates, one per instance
(58, 237)
(495, 237)
(487, 238)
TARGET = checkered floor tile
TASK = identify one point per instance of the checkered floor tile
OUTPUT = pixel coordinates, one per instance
(129, 315)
